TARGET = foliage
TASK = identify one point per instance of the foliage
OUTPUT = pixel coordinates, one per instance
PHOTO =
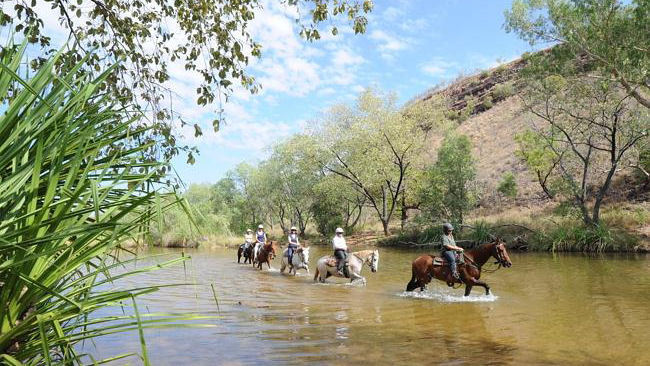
(540, 158)
(508, 185)
(502, 91)
(211, 38)
(590, 127)
(327, 215)
(447, 193)
(611, 38)
(74, 185)
(209, 216)
(374, 147)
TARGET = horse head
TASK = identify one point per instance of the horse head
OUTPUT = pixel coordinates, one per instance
(501, 254)
(305, 254)
(270, 249)
(374, 260)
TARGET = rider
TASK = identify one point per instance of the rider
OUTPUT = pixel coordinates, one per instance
(340, 250)
(293, 244)
(248, 238)
(449, 249)
(260, 235)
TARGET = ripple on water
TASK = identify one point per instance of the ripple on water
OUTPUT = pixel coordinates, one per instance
(448, 297)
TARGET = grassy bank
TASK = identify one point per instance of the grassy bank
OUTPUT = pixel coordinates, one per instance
(624, 228)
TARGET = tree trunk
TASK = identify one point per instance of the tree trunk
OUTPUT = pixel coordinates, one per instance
(384, 223)
(404, 216)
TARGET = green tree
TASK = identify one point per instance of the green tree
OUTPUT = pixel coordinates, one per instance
(209, 37)
(374, 147)
(610, 38)
(593, 127)
(539, 158)
(450, 179)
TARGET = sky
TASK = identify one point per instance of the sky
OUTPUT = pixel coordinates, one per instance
(409, 47)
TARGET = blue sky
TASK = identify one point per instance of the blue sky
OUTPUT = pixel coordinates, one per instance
(409, 47)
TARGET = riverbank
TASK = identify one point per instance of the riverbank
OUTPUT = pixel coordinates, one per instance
(625, 227)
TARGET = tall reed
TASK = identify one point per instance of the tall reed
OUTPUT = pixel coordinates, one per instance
(75, 183)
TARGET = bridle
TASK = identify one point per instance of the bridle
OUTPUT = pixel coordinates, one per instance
(496, 253)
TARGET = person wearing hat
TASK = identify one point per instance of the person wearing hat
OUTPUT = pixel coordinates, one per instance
(340, 250)
(293, 245)
(260, 237)
(449, 249)
(248, 238)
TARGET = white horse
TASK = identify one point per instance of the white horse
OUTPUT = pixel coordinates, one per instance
(300, 260)
(326, 266)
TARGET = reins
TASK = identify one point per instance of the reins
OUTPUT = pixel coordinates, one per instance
(490, 270)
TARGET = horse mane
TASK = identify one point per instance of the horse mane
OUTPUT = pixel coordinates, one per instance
(364, 253)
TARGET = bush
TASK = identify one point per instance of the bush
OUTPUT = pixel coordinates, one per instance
(487, 102)
(508, 185)
(503, 91)
(326, 216)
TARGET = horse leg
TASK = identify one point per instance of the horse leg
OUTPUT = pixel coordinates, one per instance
(468, 289)
(474, 282)
(283, 266)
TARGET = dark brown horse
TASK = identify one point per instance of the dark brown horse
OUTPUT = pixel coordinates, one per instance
(247, 253)
(266, 254)
(427, 267)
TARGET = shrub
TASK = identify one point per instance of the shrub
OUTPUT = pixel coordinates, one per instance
(487, 102)
(503, 91)
(508, 185)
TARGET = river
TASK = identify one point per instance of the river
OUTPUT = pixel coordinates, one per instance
(546, 309)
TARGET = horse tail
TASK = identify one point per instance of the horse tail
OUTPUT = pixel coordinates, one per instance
(316, 274)
(413, 283)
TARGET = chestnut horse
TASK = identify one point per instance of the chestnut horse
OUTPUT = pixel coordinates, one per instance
(266, 254)
(427, 267)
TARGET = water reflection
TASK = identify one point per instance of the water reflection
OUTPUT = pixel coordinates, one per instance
(563, 309)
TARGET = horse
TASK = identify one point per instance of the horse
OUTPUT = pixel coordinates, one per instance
(300, 260)
(246, 252)
(426, 267)
(326, 265)
(266, 254)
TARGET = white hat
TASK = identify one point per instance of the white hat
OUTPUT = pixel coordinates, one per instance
(249, 230)
(293, 228)
(260, 226)
(339, 230)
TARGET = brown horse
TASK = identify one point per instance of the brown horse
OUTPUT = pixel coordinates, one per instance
(427, 267)
(266, 254)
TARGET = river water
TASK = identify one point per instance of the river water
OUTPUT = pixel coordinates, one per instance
(546, 309)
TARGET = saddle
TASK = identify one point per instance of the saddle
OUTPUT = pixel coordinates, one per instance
(331, 262)
(439, 261)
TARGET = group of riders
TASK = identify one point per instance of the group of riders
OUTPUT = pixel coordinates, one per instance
(338, 243)
(451, 252)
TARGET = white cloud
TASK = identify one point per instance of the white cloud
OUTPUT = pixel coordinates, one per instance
(392, 13)
(388, 44)
(440, 68)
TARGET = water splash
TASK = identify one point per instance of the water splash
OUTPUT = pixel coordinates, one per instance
(441, 296)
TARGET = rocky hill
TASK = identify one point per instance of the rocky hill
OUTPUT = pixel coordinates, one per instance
(487, 107)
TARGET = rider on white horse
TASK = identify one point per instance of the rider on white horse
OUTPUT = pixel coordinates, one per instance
(340, 252)
(260, 237)
(248, 238)
(293, 245)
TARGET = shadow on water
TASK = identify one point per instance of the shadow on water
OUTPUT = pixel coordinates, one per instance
(563, 309)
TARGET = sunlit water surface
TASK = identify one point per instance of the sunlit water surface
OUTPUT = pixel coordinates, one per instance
(546, 309)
